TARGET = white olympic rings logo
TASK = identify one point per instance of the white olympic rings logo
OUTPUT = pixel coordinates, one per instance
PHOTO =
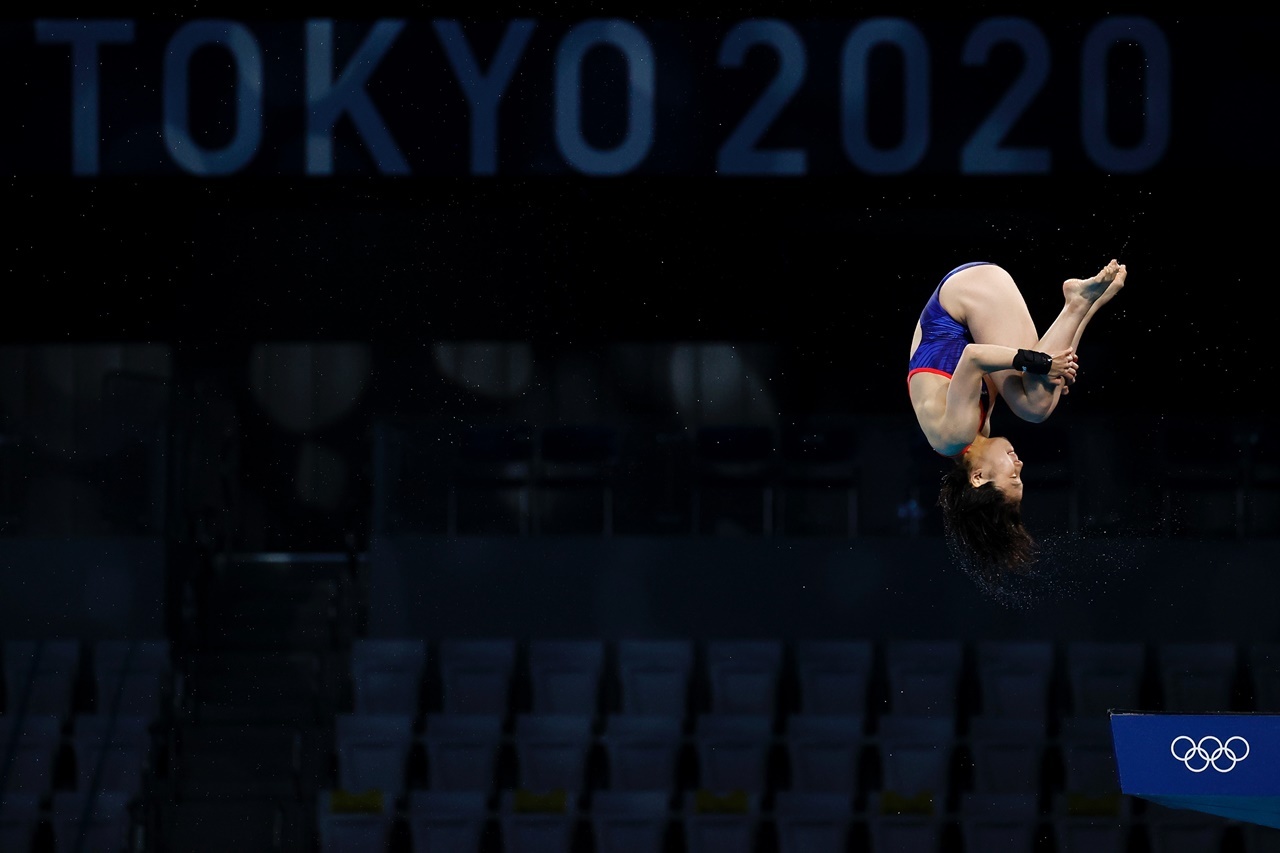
(1199, 756)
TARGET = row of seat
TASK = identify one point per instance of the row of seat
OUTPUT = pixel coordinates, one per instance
(81, 822)
(642, 822)
(1012, 678)
(108, 753)
(907, 755)
(127, 677)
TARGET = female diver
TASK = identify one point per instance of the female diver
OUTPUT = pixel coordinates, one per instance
(976, 341)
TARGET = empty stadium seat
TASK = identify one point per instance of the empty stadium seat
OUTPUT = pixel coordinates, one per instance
(564, 676)
(476, 675)
(743, 675)
(32, 742)
(552, 751)
(720, 823)
(352, 824)
(641, 751)
(999, 823)
(654, 676)
(447, 820)
(1197, 677)
(462, 750)
(1008, 754)
(915, 758)
(97, 821)
(40, 676)
(535, 822)
(812, 822)
(823, 751)
(924, 677)
(1014, 677)
(386, 675)
(1104, 676)
(630, 821)
(373, 752)
(895, 825)
(131, 677)
(111, 753)
(834, 675)
(1088, 756)
(1083, 824)
(19, 817)
(1183, 831)
(733, 751)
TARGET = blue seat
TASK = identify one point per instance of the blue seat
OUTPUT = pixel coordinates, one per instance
(446, 820)
(33, 742)
(111, 753)
(1008, 754)
(1091, 825)
(813, 822)
(915, 757)
(1182, 830)
(1014, 677)
(551, 751)
(1088, 756)
(721, 823)
(924, 676)
(537, 823)
(1007, 823)
(373, 752)
(733, 751)
(564, 676)
(641, 751)
(19, 818)
(106, 828)
(131, 677)
(462, 751)
(824, 751)
(895, 826)
(358, 825)
(386, 675)
(834, 675)
(743, 675)
(630, 821)
(40, 676)
(475, 675)
(1197, 677)
(654, 676)
(1104, 675)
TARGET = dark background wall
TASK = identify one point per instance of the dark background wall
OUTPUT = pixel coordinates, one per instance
(287, 309)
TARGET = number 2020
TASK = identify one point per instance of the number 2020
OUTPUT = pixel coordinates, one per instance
(984, 152)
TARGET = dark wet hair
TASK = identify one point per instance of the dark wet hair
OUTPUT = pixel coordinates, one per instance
(984, 529)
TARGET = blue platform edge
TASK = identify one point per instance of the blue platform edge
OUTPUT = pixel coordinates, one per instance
(1225, 764)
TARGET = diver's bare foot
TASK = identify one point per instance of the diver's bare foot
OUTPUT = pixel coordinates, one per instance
(1103, 286)
(1116, 285)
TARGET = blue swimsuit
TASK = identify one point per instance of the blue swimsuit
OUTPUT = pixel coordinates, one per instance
(942, 340)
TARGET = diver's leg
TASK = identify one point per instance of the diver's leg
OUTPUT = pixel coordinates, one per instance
(987, 300)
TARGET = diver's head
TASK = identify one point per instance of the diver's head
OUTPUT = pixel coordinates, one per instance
(981, 502)
(993, 460)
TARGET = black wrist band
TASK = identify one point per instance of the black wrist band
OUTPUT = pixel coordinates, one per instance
(1030, 361)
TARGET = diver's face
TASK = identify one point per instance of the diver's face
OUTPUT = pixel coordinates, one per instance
(998, 463)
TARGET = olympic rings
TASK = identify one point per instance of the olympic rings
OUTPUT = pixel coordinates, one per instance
(1198, 758)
